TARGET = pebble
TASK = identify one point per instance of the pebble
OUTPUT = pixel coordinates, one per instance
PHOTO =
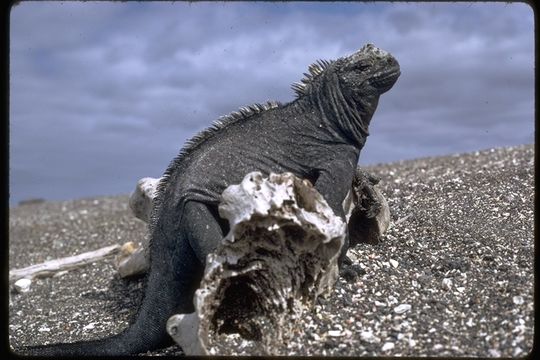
(518, 300)
(335, 333)
(22, 285)
(90, 326)
(367, 336)
(394, 263)
(403, 308)
(447, 283)
(494, 353)
(388, 346)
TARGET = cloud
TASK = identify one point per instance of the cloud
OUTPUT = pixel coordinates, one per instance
(105, 93)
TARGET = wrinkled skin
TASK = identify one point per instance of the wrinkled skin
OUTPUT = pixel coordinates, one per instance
(318, 136)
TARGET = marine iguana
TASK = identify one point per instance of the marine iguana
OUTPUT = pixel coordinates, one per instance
(318, 136)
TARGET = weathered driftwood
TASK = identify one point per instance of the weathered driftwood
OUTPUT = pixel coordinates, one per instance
(51, 267)
(280, 254)
(367, 212)
(141, 199)
(131, 260)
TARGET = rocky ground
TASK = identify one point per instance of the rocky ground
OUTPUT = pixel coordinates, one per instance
(453, 276)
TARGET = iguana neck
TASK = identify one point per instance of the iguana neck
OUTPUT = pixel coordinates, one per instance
(340, 113)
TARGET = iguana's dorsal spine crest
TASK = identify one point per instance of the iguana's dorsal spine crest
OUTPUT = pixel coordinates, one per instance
(243, 113)
(315, 69)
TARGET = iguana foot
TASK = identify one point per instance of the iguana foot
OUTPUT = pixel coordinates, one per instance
(351, 272)
(370, 217)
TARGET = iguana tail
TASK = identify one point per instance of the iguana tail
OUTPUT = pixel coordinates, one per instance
(167, 293)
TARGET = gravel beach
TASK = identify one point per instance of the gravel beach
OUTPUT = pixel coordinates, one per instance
(453, 275)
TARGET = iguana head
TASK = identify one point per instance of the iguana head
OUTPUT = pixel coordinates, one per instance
(364, 76)
(349, 88)
(369, 71)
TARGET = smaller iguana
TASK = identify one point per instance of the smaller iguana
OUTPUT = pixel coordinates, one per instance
(318, 137)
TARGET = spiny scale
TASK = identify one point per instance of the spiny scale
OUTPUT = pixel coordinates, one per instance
(298, 88)
(323, 63)
(315, 70)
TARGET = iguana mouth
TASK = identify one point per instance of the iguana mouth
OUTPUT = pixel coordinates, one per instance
(384, 81)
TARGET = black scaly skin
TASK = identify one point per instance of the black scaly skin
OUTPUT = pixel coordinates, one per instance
(317, 136)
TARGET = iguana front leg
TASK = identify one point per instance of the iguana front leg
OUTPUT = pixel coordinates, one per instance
(363, 187)
(333, 183)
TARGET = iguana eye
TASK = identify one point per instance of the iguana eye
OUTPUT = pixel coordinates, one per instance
(361, 67)
(357, 67)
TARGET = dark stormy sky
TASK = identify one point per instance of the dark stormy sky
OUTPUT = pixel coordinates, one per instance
(103, 94)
